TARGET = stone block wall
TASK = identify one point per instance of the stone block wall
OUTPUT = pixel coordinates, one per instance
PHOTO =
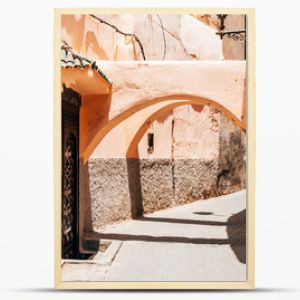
(194, 179)
(108, 188)
(156, 184)
(122, 188)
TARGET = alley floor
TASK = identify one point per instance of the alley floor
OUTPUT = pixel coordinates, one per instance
(200, 241)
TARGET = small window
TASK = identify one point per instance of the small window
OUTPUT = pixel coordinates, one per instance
(150, 143)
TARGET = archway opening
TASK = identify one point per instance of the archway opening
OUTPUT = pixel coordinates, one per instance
(190, 99)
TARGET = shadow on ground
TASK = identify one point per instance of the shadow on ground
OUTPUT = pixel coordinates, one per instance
(151, 238)
(235, 227)
(182, 221)
(236, 230)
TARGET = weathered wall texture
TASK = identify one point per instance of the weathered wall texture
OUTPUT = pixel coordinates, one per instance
(234, 49)
(108, 188)
(208, 160)
(156, 184)
(194, 179)
(232, 159)
(195, 132)
(195, 153)
(122, 188)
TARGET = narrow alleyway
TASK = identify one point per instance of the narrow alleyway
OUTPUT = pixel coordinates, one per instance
(201, 241)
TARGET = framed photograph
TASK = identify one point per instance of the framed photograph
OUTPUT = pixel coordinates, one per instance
(154, 148)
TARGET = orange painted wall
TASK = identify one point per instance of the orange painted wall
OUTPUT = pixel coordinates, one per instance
(93, 114)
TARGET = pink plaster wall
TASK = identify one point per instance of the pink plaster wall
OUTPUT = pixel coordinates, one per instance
(195, 133)
(183, 37)
(138, 83)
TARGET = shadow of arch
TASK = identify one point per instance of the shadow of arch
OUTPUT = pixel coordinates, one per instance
(190, 99)
(133, 162)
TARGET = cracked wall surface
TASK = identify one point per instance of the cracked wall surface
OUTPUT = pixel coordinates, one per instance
(163, 37)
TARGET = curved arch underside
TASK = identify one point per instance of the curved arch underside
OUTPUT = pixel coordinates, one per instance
(175, 99)
(132, 149)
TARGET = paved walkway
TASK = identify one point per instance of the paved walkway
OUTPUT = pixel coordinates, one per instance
(201, 241)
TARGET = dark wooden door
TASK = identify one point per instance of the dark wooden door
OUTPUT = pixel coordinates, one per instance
(71, 102)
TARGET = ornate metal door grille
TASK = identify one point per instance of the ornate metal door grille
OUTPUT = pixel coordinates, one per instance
(70, 142)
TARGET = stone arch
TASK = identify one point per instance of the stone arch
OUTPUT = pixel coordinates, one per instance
(185, 99)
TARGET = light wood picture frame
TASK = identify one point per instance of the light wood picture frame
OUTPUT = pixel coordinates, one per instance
(95, 76)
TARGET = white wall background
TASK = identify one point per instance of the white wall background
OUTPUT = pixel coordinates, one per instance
(26, 184)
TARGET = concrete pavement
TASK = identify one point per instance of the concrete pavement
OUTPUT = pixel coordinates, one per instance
(200, 241)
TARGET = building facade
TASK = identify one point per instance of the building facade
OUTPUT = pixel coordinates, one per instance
(150, 134)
